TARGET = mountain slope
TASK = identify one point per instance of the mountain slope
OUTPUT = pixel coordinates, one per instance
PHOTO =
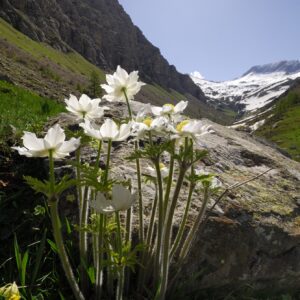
(258, 87)
(100, 31)
(281, 124)
(49, 72)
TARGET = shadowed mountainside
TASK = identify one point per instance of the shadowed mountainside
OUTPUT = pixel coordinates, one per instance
(101, 31)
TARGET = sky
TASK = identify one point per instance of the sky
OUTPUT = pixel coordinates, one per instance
(221, 39)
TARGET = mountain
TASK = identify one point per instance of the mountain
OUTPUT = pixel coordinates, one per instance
(255, 89)
(99, 30)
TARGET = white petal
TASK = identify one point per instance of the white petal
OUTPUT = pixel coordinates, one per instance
(31, 142)
(55, 136)
(109, 130)
(181, 106)
(68, 146)
(156, 110)
(102, 205)
(122, 197)
(124, 132)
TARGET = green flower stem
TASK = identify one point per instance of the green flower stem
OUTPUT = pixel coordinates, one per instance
(99, 269)
(160, 218)
(120, 286)
(149, 237)
(99, 253)
(141, 205)
(128, 104)
(96, 167)
(78, 177)
(107, 161)
(188, 242)
(167, 237)
(56, 225)
(139, 180)
(128, 236)
(179, 235)
(150, 230)
(170, 178)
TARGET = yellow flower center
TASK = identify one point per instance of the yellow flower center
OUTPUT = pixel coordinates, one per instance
(180, 126)
(169, 105)
(161, 166)
(15, 297)
(148, 122)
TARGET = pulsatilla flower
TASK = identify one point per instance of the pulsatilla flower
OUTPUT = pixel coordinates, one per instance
(109, 130)
(10, 292)
(169, 109)
(122, 199)
(85, 107)
(121, 82)
(191, 128)
(164, 171)
(157, 125)
(54, 142)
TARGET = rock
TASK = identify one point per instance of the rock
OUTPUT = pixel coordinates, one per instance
(253, 237)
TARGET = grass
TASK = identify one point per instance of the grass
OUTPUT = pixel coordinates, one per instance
(23, 110)
(72, 60)
(283, 126)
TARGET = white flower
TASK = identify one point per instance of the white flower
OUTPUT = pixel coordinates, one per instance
(85, 107)
(122, 199)
(164, 171)
(191, 128)
(208, 179)
(169, 109)
(158, 125)
(121, 82)
(109, 130)
(53, 141)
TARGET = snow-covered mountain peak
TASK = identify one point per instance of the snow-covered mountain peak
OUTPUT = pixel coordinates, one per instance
(285, 66)
(255, 89)
(197, 75)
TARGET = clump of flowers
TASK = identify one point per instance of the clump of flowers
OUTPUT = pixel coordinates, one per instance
(171, 152)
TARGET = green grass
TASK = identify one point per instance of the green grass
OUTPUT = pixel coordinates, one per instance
(72, 60)
(283, 127)
(23, 110)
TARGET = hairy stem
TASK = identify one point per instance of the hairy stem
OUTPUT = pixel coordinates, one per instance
(56, 225)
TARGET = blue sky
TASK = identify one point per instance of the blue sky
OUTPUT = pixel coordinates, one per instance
(221, 39)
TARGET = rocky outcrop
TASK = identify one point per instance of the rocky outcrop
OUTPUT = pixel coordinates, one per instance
(99, 30)
(251, 242)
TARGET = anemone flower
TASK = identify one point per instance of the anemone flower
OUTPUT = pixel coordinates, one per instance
(109, 130)
(191, 128)
(54, 142)
(85, 107)
(158, 125)
(122, 199)
(169, 109)
(164, 171)
(120, 83)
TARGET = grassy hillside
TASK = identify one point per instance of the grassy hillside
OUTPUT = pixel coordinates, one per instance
(72, 60)
(51, 73)
(283, 125)
(23, 110)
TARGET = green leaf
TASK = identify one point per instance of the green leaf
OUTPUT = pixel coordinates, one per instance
(18, 254)
(39, 257)
(38, 185)
(24, 268)
(91, 274)
(65, 183)
(52, 245)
